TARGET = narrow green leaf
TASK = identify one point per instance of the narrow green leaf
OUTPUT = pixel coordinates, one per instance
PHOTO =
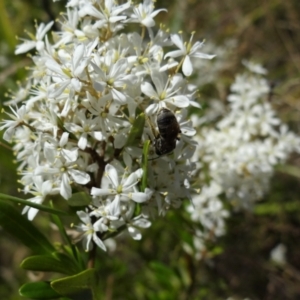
(77, 283)
(136, 130)
(290, 170)
(165, 275)
(80, 199)
(7, 27)
(160, 268)
(38, 290)
(61, 228)
(18, 226)
(145, 164)
(35, 205)
(72, 249)
(61, 263)
(277, 208)
(66, 237)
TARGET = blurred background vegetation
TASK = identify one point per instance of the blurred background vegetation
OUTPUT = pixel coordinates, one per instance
(237, 265)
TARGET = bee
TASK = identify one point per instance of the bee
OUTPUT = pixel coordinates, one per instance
(168, 132)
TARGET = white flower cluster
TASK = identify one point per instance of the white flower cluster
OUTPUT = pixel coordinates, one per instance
(72, 121)
(238, 153)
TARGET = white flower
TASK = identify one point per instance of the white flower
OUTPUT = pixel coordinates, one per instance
(165, 93)
(40, 190)
(132, 223)
(19, 95)
(18, 117)
(278, 254)
(69, 28)
(105, 209)
(88, 127)
(287, 140)
(67, 76)
(188, 51)
(36, 41)
(144, 14)
(106, 16)
(266, 119)
(90, 231)
(124, 190)
(63, 169)
(136, 223)
(208, 209)
(113, 75)
(254, 67)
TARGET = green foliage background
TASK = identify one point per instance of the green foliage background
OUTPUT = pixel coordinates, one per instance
(238, 264)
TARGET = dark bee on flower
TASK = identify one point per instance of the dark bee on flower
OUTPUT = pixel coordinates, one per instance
(169, 130)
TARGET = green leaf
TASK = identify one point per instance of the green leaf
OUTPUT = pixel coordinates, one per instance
(288, 169)
(19, 227)
(136, 130)
(69, 262)
(165, 275)
(31, 204)
(7, 27)
(77, 283)
(145, 164)
(73, 249)
(277, 208)
(161, 269)
(38, 290)
(80, 199)
(66, 237)
(60, 263)
(62, 229)
(217, 250)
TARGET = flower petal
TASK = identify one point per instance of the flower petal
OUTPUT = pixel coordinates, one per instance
(65, 188)
(98, 241)
(80, 176)
(139, 197)
(135, 233)
(112, 174)
(102, 192)
(187, 67)
(130, 181)
(148, 90)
